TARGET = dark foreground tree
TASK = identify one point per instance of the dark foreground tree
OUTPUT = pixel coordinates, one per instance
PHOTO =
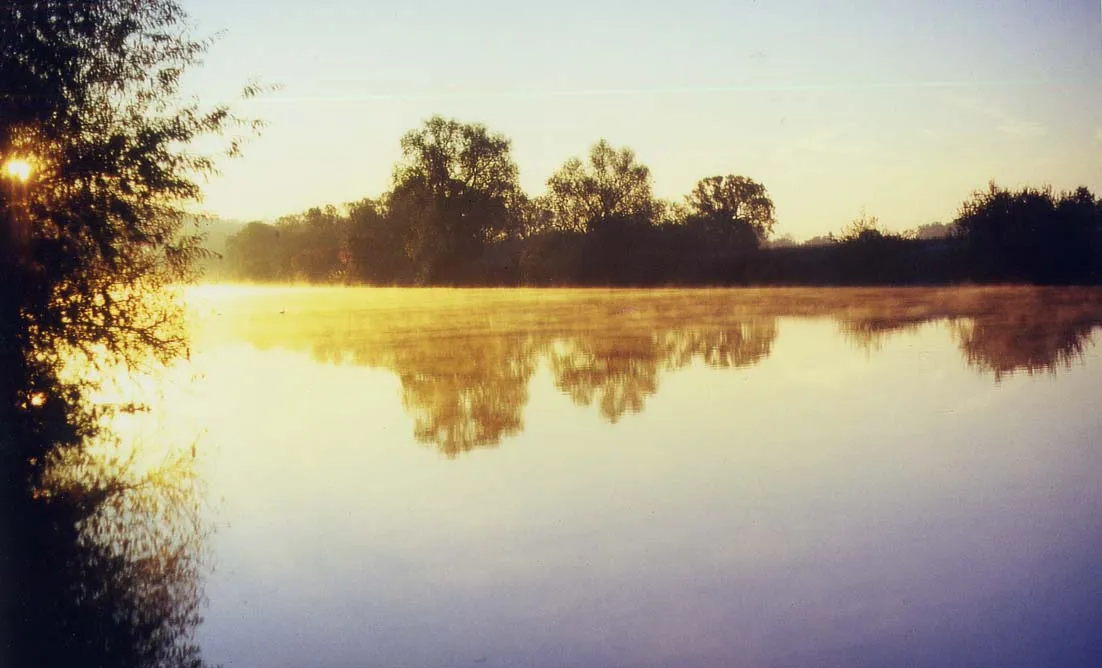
(94, 139)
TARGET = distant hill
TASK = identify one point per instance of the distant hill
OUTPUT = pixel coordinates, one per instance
(217, 231)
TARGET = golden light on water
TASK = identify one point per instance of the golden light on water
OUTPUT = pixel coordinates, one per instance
(18, 169)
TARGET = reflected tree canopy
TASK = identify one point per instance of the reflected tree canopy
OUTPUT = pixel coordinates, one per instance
(106, 567)
(1045, 331)
(468, 396)
(465, 358)
(1001, 331)
(616, 373)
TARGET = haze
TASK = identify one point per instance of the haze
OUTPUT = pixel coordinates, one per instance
(896, 107)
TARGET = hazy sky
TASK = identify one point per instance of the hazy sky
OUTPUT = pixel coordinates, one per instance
(902, 108)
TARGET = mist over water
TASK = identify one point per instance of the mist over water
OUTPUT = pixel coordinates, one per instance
(659, 478)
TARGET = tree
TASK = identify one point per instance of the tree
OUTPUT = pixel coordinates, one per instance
(862, 228)
(786, 241)
(1032, 235)
(313, 242)
(88, 241)
(253, 253)
(611, 186)
(730, 212)
(455, 191)
(375, 244)
(931, 231)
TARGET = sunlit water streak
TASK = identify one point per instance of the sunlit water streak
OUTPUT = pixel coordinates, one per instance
(680, 478)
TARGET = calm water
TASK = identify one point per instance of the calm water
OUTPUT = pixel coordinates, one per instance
(430, 478)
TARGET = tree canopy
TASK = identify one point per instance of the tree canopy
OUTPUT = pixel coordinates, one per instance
(456, 189)
(732, 206)
(612, 184)
(1032, 235)
(90, 235)
(456, 215)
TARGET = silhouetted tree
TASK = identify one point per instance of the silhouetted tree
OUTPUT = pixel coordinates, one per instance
(731, 211)
(785, 241)
(611, 186)
(821, 240)
(455, 191)
(376, 246)
(862, 228)
(1029, 235)
(87, 244)
(255, 253)
(932, 231)
(314, 244)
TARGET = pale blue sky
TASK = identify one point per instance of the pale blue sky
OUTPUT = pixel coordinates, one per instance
(902, 108)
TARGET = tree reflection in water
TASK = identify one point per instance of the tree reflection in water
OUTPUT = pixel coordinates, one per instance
(618, 371)
(466, 397)
(107, 560)
(1003, 331)
(465, 357)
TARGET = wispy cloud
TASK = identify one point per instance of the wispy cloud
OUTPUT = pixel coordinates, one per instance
(1002, 120)
(1098, 135)
(836, 141)
(1017, 128)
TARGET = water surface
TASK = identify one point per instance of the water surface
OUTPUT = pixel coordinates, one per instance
(660, 478)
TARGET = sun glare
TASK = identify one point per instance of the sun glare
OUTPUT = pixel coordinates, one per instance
(18, 169)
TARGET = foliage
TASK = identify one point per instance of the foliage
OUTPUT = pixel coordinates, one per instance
(862, 228)
(935, 230)
(784, 241)
(91, 99)
(256, 253)
(612, 185)
(731, 211)
(89, 244)
(456, 215)
(376, 246)
(1032, 235)
(455, 191)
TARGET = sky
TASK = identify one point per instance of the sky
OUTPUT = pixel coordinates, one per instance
(896, 108)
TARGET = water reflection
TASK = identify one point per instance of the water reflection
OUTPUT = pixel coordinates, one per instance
(1002, 331)
(106, 559)
(465, 397)
(619, 371)
(465, 358)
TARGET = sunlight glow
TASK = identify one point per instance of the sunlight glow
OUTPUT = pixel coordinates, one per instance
(18, 169)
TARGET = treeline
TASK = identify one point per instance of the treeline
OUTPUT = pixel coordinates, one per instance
(456, 215)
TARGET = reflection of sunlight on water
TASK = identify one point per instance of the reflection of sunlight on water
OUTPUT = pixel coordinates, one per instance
(464, 357)
(134, 405)
(738, 459)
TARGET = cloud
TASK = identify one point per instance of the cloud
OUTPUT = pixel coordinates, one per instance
(1017, 128)
(1098, 135)
(833, 141)
(1002, 120)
